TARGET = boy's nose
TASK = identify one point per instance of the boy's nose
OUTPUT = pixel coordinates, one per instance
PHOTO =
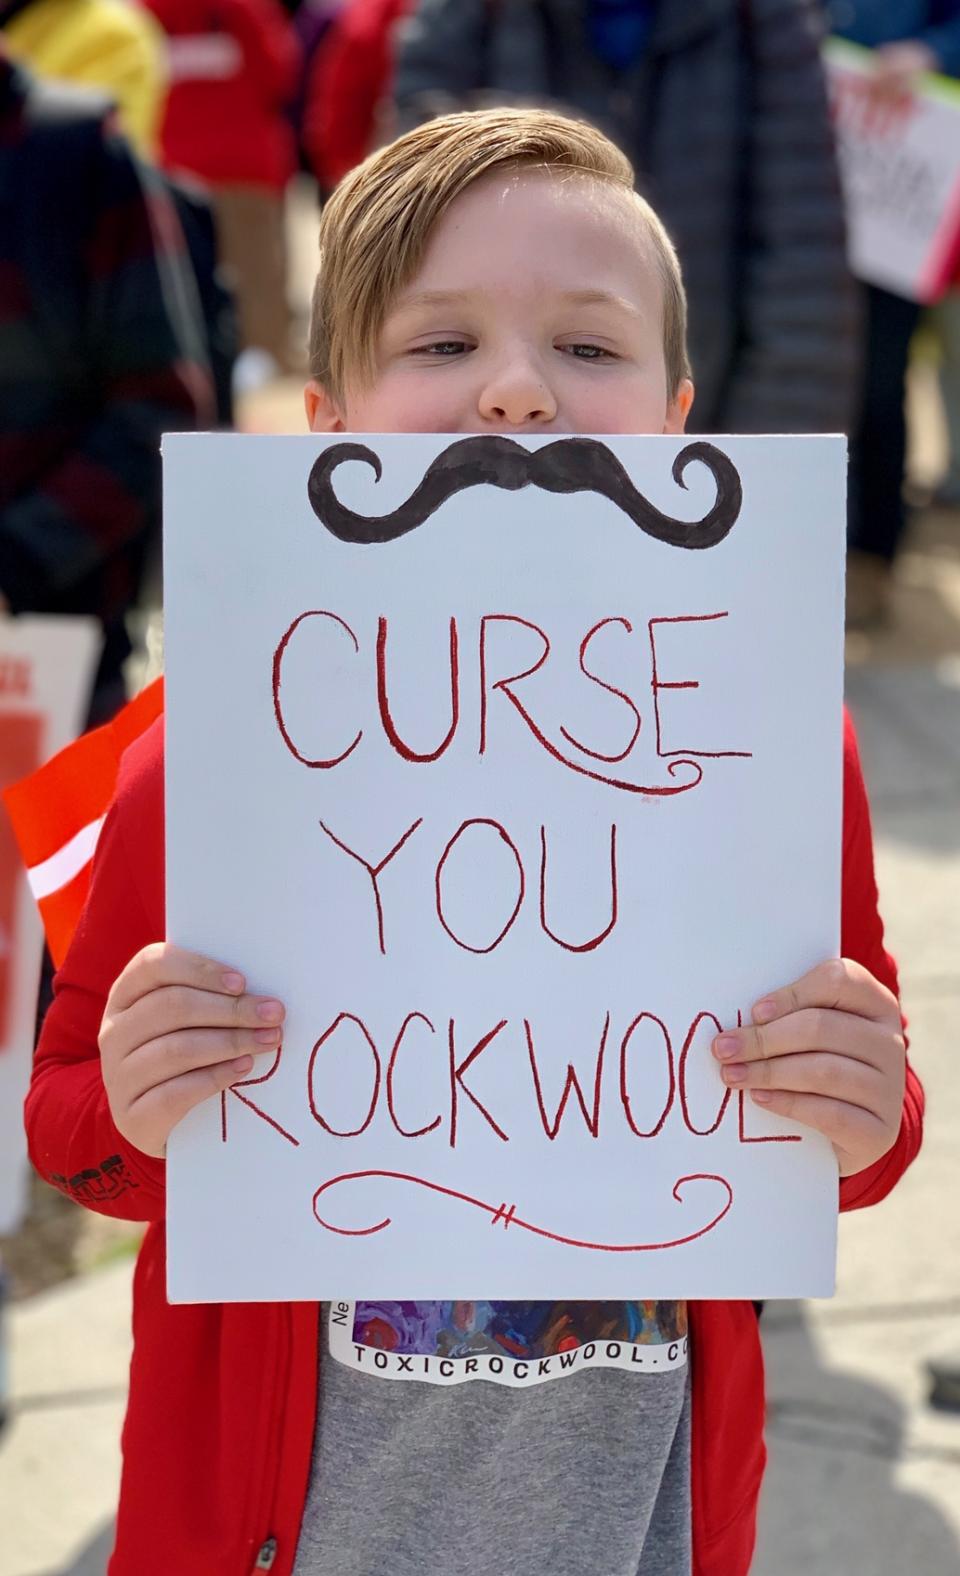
(517, 394)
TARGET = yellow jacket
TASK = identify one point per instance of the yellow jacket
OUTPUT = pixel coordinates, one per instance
(108, 44)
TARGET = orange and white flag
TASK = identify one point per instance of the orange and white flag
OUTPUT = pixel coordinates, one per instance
(57, 813)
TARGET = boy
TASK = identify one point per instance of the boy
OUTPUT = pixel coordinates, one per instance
(486, 273)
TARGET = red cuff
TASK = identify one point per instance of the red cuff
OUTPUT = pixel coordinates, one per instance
(873, 1184)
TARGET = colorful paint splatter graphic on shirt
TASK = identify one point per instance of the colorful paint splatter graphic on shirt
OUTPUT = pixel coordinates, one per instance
(513, 1329)
(518, 1344)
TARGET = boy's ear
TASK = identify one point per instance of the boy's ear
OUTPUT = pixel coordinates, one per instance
(323, 415)
(679, 408)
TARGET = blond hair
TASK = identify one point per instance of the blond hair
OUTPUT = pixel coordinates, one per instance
(375, 227)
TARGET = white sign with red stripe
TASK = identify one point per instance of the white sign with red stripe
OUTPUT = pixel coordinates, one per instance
(51, 874)
(46, 669)
(900, 162)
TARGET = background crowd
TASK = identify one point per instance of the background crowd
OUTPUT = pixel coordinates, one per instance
(157, 142)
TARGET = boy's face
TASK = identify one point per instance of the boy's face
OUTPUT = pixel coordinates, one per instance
(537, 309)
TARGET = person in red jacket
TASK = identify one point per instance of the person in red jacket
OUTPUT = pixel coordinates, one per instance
(490, 272)
(349, 80)
(233, 67)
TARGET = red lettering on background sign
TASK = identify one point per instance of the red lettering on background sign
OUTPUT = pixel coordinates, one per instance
(16, 677)
(866, 114)
(21, 745)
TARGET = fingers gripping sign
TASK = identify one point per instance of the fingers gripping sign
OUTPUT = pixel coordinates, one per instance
(178, 1028)
(828, 1051)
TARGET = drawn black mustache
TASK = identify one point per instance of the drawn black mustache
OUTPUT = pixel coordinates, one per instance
(569, 465)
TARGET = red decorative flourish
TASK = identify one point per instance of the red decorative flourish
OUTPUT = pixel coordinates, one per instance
(506, 1216)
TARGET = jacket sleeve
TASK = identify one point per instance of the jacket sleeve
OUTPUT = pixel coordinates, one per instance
(148, 373)
(943, 35)
(440, 58)
(270, 47)
(862, 940)
(796, 363)
(348, 80)
(72, 1138)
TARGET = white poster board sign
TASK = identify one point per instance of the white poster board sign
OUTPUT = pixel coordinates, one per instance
(513, 808)
(46, 669)
(900, 164)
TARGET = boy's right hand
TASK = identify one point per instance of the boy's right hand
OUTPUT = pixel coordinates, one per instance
(178, 1028)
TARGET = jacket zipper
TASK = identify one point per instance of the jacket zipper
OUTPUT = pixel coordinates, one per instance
(269, 1548)
(267, 1555)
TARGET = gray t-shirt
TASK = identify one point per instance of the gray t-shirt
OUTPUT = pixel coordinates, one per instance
(571, 1454)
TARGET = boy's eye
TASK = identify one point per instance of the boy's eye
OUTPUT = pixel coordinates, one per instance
(441, 347)
(587, 352)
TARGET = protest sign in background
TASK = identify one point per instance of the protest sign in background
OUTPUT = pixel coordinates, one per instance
(900, 163)
(513, 807)
(46, 670)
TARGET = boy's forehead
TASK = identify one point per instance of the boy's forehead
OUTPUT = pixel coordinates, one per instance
(514, 191)
(524, 204)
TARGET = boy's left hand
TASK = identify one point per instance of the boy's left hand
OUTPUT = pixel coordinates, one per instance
(827, 1051)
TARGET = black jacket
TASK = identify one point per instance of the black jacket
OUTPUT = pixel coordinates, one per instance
(726, 121)
(101, 351)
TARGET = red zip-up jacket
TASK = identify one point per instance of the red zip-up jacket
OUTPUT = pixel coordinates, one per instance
(219, 1428)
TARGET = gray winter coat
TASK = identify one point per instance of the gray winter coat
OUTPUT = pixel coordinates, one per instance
(726, 121)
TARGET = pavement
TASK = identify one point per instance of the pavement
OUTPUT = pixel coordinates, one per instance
(864, 1477)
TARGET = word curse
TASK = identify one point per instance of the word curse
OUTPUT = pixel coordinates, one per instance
(491, 682)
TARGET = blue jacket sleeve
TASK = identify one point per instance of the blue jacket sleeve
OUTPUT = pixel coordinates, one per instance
(943, 35)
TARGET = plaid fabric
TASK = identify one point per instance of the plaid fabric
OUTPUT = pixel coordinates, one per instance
(100, 353)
